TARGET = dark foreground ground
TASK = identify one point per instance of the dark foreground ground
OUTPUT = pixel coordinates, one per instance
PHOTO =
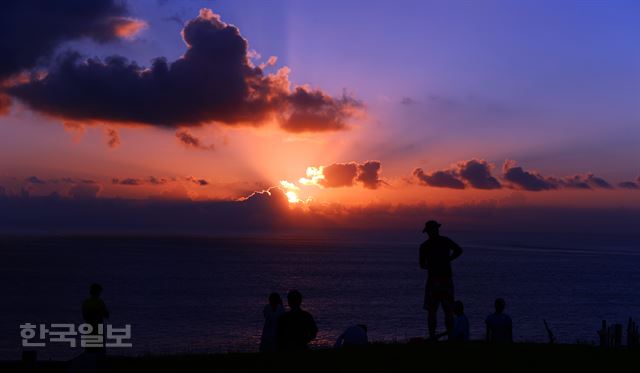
(440, 357)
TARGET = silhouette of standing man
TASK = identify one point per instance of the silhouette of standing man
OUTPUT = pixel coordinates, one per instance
(296, 328)
(436, 254)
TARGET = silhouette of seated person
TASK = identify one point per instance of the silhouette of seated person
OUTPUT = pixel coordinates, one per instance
(296, 328)
(94, 311)
(460, 330)
(499, 324)
(271, 313)
(353, 336)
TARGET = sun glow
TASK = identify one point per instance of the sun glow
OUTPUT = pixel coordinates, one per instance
(292, 197)
(314, 175)
(290, 191)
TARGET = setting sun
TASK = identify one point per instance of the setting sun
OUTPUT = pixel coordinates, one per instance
(292, 197)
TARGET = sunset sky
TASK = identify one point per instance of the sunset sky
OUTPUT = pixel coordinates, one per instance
(337, 103)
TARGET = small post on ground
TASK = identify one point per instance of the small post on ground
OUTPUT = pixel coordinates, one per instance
(552, 338)
(604, 334)
(632, 334)
(617, 335)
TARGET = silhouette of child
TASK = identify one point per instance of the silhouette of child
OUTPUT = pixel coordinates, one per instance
(499, 324)
(460, 331)
(271, 313)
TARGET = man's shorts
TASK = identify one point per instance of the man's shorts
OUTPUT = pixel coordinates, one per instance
(438, 290)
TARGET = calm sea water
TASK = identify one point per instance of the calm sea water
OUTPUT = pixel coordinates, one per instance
(207, 294)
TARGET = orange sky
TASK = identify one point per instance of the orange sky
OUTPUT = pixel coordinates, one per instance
(296, 124)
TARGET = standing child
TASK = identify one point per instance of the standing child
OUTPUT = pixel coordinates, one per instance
(460, 332)
(272, 313)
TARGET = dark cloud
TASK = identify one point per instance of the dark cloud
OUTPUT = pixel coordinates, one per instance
(598, 182)
(269, 209)
(587, 181)
(31, 30)
(214, 81)
(339, 175)
(474, 173)
(439, 179)
(70, 180)
(532, 181)
(628, 185)
(151, 180)
(272, 197)
(35, 180)
(158, 180)
(316, 111)
(369, 174)
(348, 174)
(526, 180)
(128, 181)
(261, 210)
(85, 191)
(113, 138)
(201, 182)
(574, 182)
(477, 173)
(408, 101)
(190, 141)
(74, 188)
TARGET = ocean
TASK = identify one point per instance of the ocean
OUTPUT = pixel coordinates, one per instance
(206, 294)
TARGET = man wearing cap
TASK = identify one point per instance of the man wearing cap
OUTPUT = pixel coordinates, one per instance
(436, 254)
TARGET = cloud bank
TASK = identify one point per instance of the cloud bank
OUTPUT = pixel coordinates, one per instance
(347, 174)
(477, 174)
(214, 81)
(270, 211)
(474, 173)
(187, 139)
(32, 29)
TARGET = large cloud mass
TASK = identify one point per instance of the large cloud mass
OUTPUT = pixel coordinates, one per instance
(474, 173)
(526, 180)
(439, 179)
(347, 174)
(31, 30)
(477, 174)
(214, 81)
(369, 174)
(587, 181)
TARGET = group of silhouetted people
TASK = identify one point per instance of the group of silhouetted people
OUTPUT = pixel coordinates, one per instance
(499, 327)
(294, 329)
(287, 331)
(436, 255)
